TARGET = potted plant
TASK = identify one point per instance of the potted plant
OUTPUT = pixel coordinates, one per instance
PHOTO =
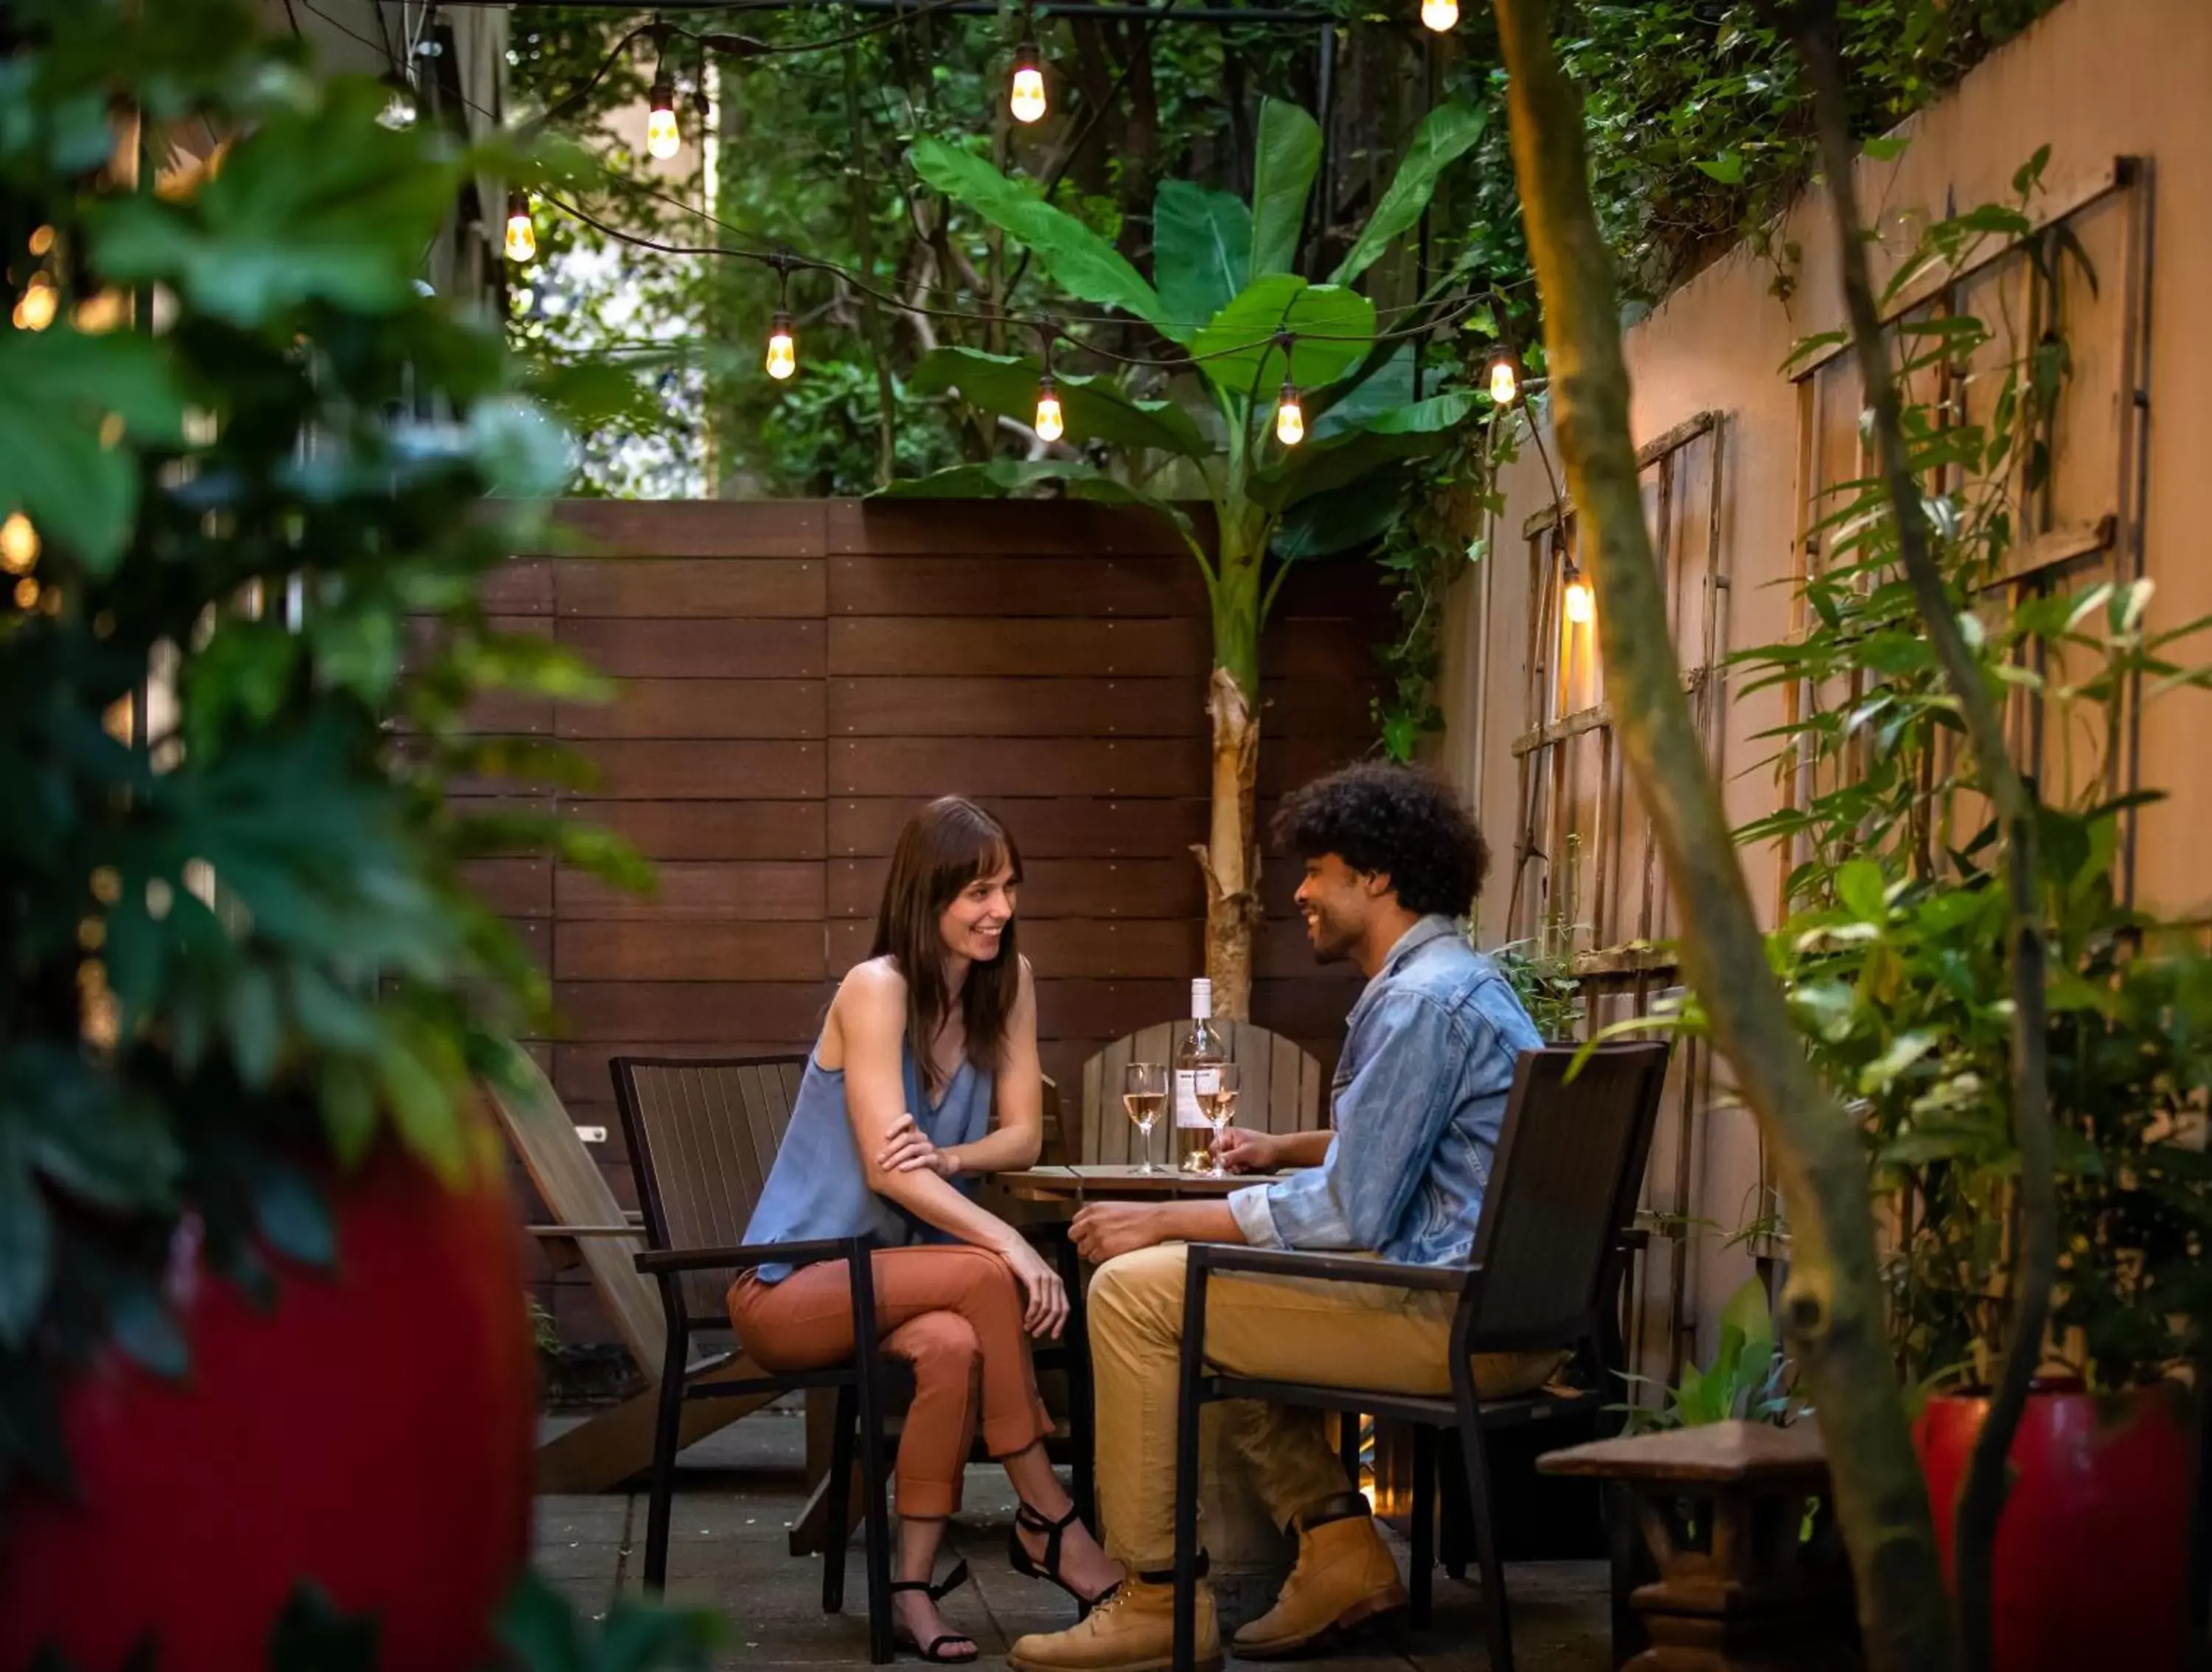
(261, 1317)
(1900, 960)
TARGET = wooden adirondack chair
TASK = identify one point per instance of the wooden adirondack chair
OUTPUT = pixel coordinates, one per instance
(590, 1226)
(1282, 1088)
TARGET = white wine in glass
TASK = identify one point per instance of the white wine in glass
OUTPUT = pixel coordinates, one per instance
(1218, 1089)
(1145, 1095)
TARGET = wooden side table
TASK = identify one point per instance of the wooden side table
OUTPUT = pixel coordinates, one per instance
(1736, 1515)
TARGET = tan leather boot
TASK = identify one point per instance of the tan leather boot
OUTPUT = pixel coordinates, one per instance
(1132, 1631)
(1344, 1578)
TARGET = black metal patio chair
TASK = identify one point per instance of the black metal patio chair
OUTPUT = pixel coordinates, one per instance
(1570, 1163)
(702, 1134)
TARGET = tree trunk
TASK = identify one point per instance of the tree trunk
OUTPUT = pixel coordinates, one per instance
(1230, 856)
(1832, 1305)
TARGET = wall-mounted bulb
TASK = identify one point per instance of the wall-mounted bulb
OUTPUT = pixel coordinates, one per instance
(1580, 603)
(521, 233)
(19, 544)
(1441, 15)
(35, 309)
(782, 351)
(1504, 382)
(1290, 417)
(1027, 101)
(1050, 426)
(663, 139)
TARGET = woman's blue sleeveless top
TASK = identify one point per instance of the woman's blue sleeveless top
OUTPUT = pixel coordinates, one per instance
(818, 1187)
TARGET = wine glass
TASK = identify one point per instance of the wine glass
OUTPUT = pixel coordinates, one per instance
(1217, 1091)
(1145, 1095)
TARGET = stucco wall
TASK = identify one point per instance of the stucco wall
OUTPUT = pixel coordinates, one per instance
(2096, 80)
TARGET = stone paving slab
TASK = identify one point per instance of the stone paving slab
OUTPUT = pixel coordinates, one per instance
(741, 1489)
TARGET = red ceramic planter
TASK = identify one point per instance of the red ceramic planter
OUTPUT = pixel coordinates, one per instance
(2092, 1556)
(374, 1432)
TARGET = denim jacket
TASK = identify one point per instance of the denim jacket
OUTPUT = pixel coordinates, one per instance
(1419, 1101)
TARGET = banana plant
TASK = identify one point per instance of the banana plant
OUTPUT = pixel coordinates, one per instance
(1252, 333)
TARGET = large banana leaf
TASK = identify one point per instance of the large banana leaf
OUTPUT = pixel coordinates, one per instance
(1077, 259)
(1002, 477)
(1331, 330)
(1405, 432)
(1092, 407)
(1448, 132)
(1283, 165)
(1322, 525)
(1337, 410)
(1202, 253)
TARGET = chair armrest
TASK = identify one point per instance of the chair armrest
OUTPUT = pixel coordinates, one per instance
(1329, 1267)
(747, 1255)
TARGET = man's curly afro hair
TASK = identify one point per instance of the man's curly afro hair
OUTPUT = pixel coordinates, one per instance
(1380, 817)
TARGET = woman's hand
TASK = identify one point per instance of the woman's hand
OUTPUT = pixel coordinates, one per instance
(1246, 1152)
(1047, 1312)
(907, 1149)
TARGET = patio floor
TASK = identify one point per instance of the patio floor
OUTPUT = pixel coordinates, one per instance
(741, 1489)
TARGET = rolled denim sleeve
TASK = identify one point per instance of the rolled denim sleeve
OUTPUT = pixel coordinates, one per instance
(1389, 1117)
(1254, 1218)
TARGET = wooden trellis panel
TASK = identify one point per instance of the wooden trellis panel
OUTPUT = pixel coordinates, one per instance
(1586, 872)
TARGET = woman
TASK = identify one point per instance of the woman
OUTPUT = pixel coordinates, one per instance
(891, 1125)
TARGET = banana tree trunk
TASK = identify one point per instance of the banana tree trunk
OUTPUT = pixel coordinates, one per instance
(1832, 1308)
(1229, 857)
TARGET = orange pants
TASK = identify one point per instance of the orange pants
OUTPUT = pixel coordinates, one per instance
(954, 1313)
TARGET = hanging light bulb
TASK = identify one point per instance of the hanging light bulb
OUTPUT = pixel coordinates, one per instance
(663, 139)
(1505, 379)
(19, 544)
(1027, 101)
(1581, 603)
(1050, 426)
(782, 351)
(1441, 15)
(39, 302)
(521, 233)
(1290, 417)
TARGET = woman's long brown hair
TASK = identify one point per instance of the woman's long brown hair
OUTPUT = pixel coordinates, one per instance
(948, 844)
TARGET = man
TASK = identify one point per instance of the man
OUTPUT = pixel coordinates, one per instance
(1391, 861)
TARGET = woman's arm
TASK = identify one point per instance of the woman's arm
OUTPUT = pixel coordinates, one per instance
(870, 1016)
(1018, 1139)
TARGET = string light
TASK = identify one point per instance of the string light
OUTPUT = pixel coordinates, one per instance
(782, 352)
(1440, 15)
(38, 305)
(1050, 426)
(19, 544)
(1290, 415)
(663, 139)
(521, 233)
(1027, 101)
(858, 282)
(42, 240)
(1581, 603)
(1505, 379)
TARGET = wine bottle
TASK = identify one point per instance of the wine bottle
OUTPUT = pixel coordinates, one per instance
(1203, 1049)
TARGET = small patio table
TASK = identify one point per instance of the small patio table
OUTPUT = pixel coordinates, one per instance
(1122, 1182)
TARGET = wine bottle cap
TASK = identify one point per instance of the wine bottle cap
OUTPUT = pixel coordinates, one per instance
(1201, 997)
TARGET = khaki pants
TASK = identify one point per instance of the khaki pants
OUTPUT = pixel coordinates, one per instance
(1345, 1334)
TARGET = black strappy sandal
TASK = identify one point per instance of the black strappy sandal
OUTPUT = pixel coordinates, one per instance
(1018, 1557)
(932, 1651)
